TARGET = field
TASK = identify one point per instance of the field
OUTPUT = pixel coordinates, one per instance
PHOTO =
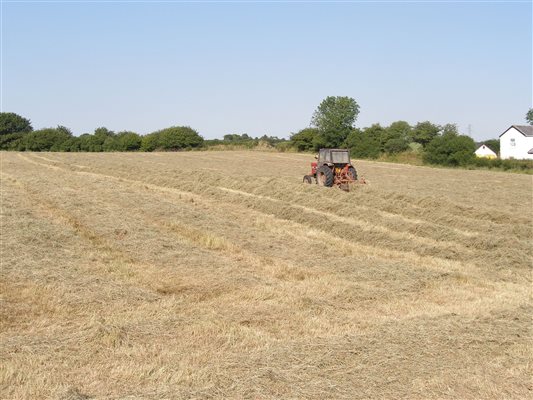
(221, 275)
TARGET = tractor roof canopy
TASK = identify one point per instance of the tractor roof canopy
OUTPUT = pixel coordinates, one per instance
(334, 156)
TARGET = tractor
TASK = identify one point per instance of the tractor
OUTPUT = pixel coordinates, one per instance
(333, 168)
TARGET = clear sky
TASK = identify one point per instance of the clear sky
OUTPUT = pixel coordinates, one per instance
(263, 67)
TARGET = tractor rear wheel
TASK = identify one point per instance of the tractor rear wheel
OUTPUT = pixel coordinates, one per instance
(324, 176)
(352, 172)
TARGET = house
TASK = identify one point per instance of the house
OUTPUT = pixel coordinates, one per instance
(484, 151)
(517, 142)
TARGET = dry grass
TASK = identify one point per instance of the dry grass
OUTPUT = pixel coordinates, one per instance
(220, 275)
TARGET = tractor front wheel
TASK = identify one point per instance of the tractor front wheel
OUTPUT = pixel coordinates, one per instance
(324, 176)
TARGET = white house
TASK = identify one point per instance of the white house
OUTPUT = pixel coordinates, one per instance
(517, 142)
(484, 151)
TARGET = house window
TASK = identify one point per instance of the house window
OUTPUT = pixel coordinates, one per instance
(513, 142)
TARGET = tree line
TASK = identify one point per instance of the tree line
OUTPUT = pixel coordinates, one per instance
(332, 126)
(16, 133)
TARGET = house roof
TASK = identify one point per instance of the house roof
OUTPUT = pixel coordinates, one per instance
(483, 147)
(526, 130)
(530, 151)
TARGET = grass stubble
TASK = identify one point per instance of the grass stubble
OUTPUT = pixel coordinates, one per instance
(220, 275)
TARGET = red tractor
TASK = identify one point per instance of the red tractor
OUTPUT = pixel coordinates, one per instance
(332, 167)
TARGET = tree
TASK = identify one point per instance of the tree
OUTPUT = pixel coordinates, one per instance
(304, 140)
(235, 137)
(173, 138)
(71, 145)
(450, 129)
(424, 132)
(450, 149)
(88, 142)
(150, 142)
(101, 140)
(335, 117)
(65, 130)
(11, 123)
(271, 140)
(396, 145)
(179, 137)
(365, 143)
(399, 129)
(13, 127)
(103, 132)
(529, 116)
(396, 137)
(128, 141)
(111, 144)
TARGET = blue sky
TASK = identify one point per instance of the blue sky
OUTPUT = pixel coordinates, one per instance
(263, 67)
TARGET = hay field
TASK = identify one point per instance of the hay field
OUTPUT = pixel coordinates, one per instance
(221, 275)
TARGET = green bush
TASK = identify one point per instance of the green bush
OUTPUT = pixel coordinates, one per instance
(48, 139)
(518, 165)
(172, 139)
(236, 138)
(365, 143)
(305, 140)
(71, 145)
(416, 147)
(128, 141)
(110, 144)
(179, 137)
(91, 143)
(12, 141)
(150, 142)
(450, 149)
(505, 165)
(285, 147)
(396, 145)
(405, 157)
(482, 162)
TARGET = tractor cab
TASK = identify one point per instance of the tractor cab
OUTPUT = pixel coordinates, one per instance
(333, 156)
